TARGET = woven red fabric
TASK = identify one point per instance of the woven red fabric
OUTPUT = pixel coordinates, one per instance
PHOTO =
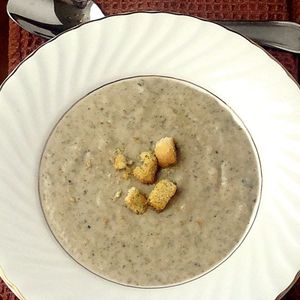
(294, 10)
(5, 293)
(22, 43)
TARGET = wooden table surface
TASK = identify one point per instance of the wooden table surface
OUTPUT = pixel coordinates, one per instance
(291, 295)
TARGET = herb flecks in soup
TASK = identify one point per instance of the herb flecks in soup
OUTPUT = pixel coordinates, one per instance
(83, 195)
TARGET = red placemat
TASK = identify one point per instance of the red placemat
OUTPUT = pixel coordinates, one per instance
(22, 43)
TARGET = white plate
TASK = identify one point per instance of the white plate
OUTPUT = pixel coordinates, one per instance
(71, 65)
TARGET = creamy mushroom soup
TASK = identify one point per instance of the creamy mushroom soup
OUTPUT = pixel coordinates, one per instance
(217, 177)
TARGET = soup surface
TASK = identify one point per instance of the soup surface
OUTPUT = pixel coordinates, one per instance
(217, 175)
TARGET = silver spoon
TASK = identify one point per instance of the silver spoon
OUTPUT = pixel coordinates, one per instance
(47, 18)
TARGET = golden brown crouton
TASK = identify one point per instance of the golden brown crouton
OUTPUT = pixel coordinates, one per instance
(136, 201)
(120, 162)
(165, 152)
(163, 191)
(146, 172)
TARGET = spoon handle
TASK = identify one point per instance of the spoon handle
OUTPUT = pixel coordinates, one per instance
(277, 34)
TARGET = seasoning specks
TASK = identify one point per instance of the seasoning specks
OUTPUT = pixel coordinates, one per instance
(159, 249)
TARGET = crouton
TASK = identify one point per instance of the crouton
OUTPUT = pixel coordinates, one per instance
(165, 152)
(163, 191)
(120, 162)
(136, 201)
(147, 171)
